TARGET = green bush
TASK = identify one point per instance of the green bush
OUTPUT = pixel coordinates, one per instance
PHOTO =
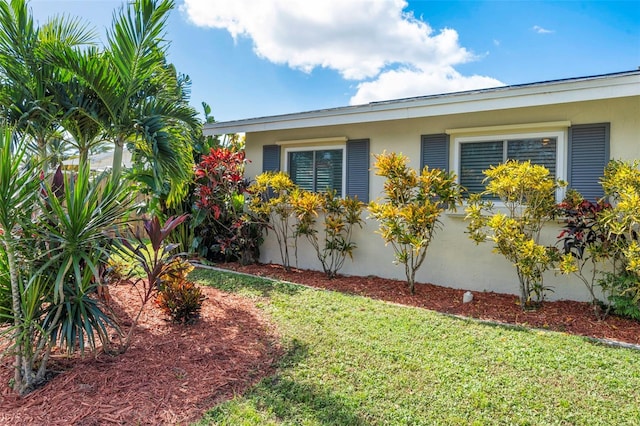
(178, 297)
(409, 212)
(340, 216)
(528, 193)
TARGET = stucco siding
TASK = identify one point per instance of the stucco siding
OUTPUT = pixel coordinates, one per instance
(453, 260)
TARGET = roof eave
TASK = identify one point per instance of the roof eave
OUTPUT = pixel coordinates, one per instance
(529, 95)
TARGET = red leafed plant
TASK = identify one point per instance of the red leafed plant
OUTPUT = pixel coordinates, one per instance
(224, 229)
(155, 259)
(219, 176)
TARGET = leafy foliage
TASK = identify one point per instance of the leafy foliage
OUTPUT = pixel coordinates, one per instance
(137, 100)
(18, 192)
(340, 215)
(178, 297)
(155, 259)
(77, 214)
(26, 99)
(607, 237)
(586, 244)
(411, 207)
(55, 241)
(528, 193)
(271, 199)
(224, 229)
(5, 289)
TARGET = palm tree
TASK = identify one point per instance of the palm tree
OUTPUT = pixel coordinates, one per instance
(25, 97)
(142, 95)
(83, 119)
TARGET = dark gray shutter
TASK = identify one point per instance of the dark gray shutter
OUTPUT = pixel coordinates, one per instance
(434, 152)
(588, 156)
(358, 169)
(271, 158)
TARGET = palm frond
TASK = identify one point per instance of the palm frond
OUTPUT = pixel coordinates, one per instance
(69, 31)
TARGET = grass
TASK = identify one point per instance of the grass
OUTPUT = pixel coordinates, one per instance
(351, 360)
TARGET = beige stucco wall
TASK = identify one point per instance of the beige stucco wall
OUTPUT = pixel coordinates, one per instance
(453, 260)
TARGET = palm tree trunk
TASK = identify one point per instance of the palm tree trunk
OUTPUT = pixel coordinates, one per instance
(83, 160)
(19, 375)
(117, 158)
(42, 153)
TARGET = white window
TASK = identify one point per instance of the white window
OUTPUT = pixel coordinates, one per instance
(317, 169)
(474, 154)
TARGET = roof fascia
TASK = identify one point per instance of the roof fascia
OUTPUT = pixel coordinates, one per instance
(507, 97)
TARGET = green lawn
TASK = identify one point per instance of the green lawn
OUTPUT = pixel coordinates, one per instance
(355, 361)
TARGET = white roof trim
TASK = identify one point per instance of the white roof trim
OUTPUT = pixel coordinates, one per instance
(313, 141)
(521, 96)
(510, 127)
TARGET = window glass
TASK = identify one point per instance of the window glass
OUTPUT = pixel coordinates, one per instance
(329, 170)
(318, 170)
(301, 169)
(475, 157)
(541, 151)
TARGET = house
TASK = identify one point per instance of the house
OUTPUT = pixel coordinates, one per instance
(573, 126)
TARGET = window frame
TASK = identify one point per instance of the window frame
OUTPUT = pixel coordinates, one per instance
(342, 147)
(561, 137)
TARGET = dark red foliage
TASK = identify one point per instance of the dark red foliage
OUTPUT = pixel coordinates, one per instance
(218, 174)
(224, 230)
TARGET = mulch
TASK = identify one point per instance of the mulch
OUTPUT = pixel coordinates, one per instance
(564, 316)
(170, 375)
(173, 373)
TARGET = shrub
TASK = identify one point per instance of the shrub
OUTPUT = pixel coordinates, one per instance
(271, 201)
(411, 207)
(178, 297)
(155, 260)
(340, 216)
(586, 246)
(55, 238)
(528, 193)
(224, 230)
(607, 235)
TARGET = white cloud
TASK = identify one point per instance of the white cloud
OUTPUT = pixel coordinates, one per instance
(541, 30)
(361, 39)
(404, 83)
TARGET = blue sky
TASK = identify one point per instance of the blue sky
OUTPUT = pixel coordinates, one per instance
(253, 58)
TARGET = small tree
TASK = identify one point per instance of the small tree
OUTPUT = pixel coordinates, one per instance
(270, 199)
(621, 183)
(340, 217)
(411, 207)
(528, 193)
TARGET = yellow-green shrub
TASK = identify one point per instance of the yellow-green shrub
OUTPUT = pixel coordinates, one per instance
(528, 193)
(410, 209)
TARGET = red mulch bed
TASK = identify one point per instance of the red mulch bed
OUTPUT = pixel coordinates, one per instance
(173, 373)
(566, 316)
